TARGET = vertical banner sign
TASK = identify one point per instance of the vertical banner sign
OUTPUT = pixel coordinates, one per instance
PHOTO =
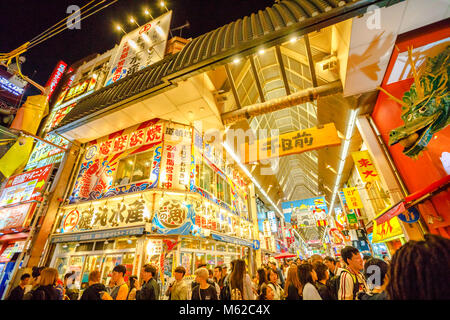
(365, 166)
(176, 158)
(55, 77)
(353, 198)
(140, 48)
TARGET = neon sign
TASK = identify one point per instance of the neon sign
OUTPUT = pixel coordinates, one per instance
(55, 77)
(10, 87)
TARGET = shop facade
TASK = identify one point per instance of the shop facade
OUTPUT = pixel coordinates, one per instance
(152, 193)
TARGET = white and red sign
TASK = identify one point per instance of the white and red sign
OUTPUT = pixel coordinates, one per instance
(336, 236)
(25, 186)
(56, 77)
(71, 220)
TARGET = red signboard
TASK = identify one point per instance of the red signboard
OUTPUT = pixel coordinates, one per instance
(56, 77)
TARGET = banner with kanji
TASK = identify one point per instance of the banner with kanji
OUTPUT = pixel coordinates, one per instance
(353, 199)
(291, 143)
(386, 230)
(365, 166)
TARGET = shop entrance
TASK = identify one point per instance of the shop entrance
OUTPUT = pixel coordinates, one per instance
(84, 258)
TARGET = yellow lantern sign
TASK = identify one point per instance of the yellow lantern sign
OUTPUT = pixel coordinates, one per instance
(291, 143)
(352, 197)
(365, 166)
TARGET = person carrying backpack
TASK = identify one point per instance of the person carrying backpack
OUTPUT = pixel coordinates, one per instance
(351, 280)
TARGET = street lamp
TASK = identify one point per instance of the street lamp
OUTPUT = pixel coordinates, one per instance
(132, 20)
(148, 13)
(163, 5)
(119, 27)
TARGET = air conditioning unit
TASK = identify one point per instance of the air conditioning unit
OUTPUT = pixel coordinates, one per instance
(327, 69)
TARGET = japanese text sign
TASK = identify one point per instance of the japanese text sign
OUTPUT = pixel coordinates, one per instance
(386, 230)
(25, 186)
(365, 166)
(291, 143)
(101, 216)
(352, 197)
(140, 48)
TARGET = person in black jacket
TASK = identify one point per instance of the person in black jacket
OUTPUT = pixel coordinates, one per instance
(17, 292)
(46, 289)
(204, 290)
(96, 289)
(322, 277)
(149, 289)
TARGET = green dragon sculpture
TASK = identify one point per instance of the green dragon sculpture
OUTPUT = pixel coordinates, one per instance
(425, 107)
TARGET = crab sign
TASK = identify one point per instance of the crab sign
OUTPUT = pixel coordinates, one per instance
(425, 107)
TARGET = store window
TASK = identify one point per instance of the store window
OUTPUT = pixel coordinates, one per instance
(223, 190)
(221, 247)
(231, 248)
(206, 178)
(200, 258)
(190, 244)
(220, 260)
(125, 243)
(86, 246)
(207, 246)
(67, 247)
(211, 260)
(134, 168)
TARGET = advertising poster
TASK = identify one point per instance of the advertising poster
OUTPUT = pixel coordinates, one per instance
(306, 212)
(140, 48)
(25, 186)
(175, 216)
(17, 216)
(44, 154)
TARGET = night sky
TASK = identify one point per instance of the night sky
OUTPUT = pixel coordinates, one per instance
(22, 20)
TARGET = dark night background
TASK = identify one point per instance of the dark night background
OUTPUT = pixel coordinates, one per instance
(22, 20)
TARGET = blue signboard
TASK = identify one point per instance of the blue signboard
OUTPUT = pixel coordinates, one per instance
(317, 205)
(256, 244)
(410, 216)
(234, 240)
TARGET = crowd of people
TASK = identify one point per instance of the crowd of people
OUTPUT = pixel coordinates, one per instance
(419, 270)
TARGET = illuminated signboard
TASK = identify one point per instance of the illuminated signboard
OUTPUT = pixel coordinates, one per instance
(44, 153)
(16, 216)
(56, 77)
(82, 87)
(25, 186)
(140, 48)
(10, 87)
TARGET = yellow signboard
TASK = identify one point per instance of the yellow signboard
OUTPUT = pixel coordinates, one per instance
(365, 165)
(386, 230)
(291, 143)
(353, 199)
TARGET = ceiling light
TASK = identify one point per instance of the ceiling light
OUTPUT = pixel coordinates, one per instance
(293, 40)
(261, 51)
(236, 60)
(133, 44)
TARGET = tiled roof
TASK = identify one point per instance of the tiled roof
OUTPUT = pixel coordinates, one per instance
(218, 46)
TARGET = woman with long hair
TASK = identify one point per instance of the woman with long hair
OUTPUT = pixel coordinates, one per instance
(266, 293)
(262, 279)
(47, 283)
(308, 277)
(293, 288)
(241, 280)
(132, 292)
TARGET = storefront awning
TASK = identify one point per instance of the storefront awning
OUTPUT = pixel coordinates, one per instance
(99, 234)
(234, 240)
(413, 199)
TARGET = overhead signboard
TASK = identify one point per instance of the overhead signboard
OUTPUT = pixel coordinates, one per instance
(291, 143)
(56, 77)
(352, 197)
(44, 153)
(16, 217)
(387, 230)
(365, 166)
(140, 48)
(25, 186)
(306, 212)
